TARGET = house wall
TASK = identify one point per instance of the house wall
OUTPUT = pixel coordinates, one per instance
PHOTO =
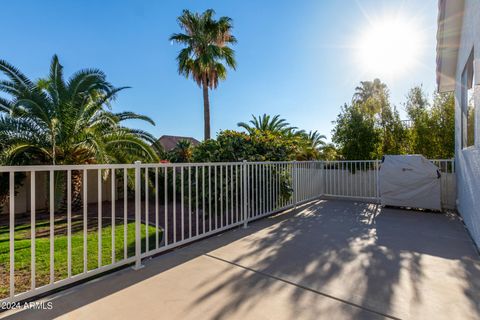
(468, 160)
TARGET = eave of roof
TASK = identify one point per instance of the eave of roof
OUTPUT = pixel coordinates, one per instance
(449, 22)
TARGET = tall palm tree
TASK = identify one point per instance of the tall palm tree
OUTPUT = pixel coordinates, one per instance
(266, 123)
(371, 96)
(368, 89)
(206, 54)
(53, 121)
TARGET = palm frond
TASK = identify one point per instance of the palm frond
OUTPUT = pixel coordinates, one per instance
(15, 75)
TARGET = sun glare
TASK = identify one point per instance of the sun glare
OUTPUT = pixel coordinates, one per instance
(389, 47)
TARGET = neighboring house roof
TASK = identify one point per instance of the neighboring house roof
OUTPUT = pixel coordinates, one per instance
(168, 143)
(450, 20)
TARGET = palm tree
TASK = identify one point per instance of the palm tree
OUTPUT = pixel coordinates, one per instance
(317, 140)
(371, 96)
(206, 54)
(266, 123)
(182, 151)
(53, 121)
(368, 89)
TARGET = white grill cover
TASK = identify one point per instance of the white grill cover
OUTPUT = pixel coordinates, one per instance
(409, 181)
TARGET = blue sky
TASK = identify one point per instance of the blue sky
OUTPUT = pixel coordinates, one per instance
(295, 58)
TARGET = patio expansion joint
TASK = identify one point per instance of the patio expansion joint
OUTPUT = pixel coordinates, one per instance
(326, 295)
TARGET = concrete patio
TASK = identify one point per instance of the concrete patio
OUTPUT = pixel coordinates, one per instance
(328, 259)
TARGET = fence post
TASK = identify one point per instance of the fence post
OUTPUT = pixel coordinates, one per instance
(294, 183)
(138, 208)
(377, 189)
(322, 178)
(245, 193)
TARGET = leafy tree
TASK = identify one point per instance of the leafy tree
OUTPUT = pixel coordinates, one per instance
(356, 135)
(432, 132)
(394, 137)
(53, 121)
(443, 115)
(206, 54)
(266, 123)
(421, 135)
(234, 146)
(378, 122)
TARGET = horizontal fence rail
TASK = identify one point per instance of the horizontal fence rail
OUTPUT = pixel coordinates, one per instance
(62, 224)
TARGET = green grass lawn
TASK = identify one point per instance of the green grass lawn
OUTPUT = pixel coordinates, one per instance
(42, 248)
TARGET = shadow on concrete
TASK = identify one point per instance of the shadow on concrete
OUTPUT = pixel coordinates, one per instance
(356, 252)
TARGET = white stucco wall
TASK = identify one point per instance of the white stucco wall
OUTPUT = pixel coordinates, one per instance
(468, 160)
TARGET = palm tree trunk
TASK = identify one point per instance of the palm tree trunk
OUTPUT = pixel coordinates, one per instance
(77, 183)
(206, 111)
(76, 195)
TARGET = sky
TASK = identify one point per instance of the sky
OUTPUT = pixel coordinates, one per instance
(299, 59)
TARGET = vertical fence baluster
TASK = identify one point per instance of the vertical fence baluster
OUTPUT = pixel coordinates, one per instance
(274, 186)
(99, 218)
(32, 229)
(351, 180)
(156, 209)
(125, 213)
(196, 200)
(377, 191)
(231, 194)
(280, 200)
(209, 198)
(270, 187)
(245, 168)
(364, 193)
(370, 171)
(69, 223)
(11, 196)
(138, 212)
(265, 187)
(182, 196)
(165, 205)
(52, 226)
(262, 188)
(85, 220)
(216, 219)
(257, 198)
(295, 182)
(113, 193)
(174, 204)
(334, 183)
(147, 213)
(346, 178)
(189, 201)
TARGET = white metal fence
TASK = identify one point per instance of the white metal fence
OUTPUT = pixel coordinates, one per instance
(143, 209)
(351, 179)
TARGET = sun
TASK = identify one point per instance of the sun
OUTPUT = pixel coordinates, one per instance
(389, 47)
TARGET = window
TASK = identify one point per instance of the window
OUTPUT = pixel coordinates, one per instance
(468, 104)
